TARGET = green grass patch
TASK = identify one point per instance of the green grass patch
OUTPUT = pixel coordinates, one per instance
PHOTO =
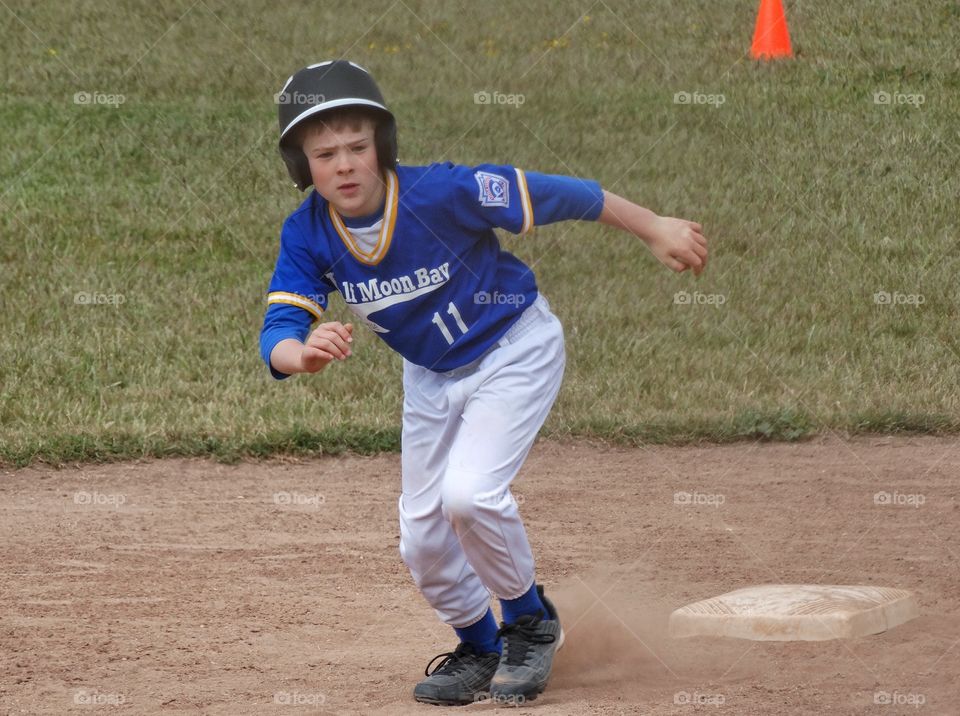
(830, 303)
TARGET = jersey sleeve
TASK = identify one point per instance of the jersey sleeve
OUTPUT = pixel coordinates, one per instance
(297, 278)
(507, 197)
(297, 295)
(282, 321)
(555, 197)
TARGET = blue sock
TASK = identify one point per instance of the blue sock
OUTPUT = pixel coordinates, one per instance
(527, 603)
(482, 634)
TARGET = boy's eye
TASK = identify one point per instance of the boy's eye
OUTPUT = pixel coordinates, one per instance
(325, 155)
(361, 148)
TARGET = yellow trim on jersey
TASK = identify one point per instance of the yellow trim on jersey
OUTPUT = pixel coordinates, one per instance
(375, 255)
(295, 299)
(525, 202)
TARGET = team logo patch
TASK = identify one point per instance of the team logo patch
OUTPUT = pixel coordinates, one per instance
(494, 189)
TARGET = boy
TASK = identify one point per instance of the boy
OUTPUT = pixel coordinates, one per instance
(412, 251)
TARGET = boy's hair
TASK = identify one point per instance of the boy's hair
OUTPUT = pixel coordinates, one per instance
(332, 93)
(352, 117)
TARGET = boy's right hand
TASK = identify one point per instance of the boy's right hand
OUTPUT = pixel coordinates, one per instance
(327, 342)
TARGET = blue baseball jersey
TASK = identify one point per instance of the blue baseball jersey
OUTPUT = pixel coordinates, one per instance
(436, 286)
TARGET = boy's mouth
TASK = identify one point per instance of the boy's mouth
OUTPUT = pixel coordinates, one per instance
(348, 188)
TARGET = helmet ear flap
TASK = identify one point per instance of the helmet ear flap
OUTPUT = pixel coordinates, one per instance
(303, 171)
(297, 166)
(385, 139)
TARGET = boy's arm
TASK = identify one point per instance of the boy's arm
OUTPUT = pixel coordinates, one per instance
(288, 346)
(286, 356)
(297, 296)
(325, 344)
(490, 195)
(677, 243)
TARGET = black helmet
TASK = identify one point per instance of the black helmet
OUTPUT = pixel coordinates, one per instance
(325, 86)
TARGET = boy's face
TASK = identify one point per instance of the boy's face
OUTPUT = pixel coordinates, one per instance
(344, 168)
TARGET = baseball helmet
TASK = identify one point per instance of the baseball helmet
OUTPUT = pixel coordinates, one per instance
(322, 87)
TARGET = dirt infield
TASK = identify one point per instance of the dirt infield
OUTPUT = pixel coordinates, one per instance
(184, 586)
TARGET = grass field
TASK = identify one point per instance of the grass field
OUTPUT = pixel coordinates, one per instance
(827, 186)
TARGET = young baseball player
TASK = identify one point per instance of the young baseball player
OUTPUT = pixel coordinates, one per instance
(413, 253)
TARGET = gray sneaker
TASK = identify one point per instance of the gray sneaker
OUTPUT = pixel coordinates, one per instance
(528, 650)
(461, 678)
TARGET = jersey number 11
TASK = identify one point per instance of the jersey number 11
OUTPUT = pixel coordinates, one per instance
(452, 310)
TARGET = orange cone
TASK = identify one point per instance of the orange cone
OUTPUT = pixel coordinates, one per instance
(771, 38)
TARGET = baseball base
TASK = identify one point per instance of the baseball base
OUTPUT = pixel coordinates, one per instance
(796, 612)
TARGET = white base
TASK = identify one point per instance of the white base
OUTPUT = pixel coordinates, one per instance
(796, 612)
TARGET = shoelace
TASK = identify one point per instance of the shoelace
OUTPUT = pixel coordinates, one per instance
(522, 639)
(453, 661)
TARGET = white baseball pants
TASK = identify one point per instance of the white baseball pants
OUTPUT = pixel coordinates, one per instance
(466, 434)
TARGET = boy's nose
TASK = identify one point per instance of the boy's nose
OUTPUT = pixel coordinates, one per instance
(344, 164)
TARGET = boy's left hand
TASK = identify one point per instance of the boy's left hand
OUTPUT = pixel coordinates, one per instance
(678, 244)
